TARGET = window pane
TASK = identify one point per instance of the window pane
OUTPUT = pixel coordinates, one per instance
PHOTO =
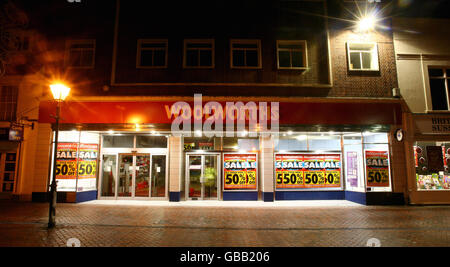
(153, 45)
(109, 176)
(438, 95)
(366, 60)
(87, 58)
(200, 45)
(435, 72)
(192, 58)
(75, 58)
(146, 58)
(151, 142)
(160, 58)
(448, 73)
(290, 46)
(238, 58)
(205, 58)
(118, 141)
(285, 58)
(297, 59)
(245, 46)
(158, 176)
(252, 58)
(355, 62)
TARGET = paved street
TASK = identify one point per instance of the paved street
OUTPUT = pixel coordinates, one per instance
(224, 224)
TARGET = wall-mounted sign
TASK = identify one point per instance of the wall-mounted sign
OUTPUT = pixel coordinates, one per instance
(432, 124)
(298, 171)
(377, 168)
(240, 171)
(16, 133)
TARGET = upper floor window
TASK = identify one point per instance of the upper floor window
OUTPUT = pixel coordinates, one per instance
(292, 54)
(152, 53)
(8, 103)
(80, 53)
(362, 56)
(245, 54)
(439, 86)
(198, 53)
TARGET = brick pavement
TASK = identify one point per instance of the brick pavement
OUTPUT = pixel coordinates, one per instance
(24, 224)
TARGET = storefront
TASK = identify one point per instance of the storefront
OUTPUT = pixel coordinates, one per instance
(9, 158)
(321, 150)
(431, 148)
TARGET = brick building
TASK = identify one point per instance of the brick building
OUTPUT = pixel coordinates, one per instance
(329, 89)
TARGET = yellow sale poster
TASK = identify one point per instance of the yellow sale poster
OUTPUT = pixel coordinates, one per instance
(377, 168)
(240, 171)
(299, 171)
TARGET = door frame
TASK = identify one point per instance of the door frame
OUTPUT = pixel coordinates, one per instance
(219, 172)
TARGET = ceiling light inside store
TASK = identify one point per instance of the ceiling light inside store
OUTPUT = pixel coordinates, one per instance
(110, 131)
(301, 137)
(289, 132)
(198, 133)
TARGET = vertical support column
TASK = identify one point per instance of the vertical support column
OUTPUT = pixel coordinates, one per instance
(175, 167)
(266, 167)
(409, 138)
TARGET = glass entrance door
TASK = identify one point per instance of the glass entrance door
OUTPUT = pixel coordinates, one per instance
(202, 176)
(134, 175)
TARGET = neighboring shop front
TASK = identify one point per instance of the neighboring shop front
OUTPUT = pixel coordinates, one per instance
(431, 148)
(10, 142)
(326, 149)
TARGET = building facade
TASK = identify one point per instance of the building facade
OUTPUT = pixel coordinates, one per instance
(423, 62)
(307, 102)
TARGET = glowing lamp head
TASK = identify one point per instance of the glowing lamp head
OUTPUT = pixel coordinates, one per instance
(366, 23)
(59, 91)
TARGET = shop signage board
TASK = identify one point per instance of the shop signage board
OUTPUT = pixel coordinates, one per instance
(432, 124)
(300, 171)
(377, 168)
(66, 166)
(240, 171)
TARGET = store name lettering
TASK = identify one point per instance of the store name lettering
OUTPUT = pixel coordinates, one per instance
(240, 165)
(307, 165)
(440, 124)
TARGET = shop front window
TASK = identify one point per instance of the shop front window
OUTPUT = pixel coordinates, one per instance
(432, 161)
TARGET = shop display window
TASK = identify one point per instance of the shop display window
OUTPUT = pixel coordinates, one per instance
(432, 161)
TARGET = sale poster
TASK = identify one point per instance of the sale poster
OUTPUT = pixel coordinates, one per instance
(240, 171)
(66, 166)
(377, 168)
(299, 171)
(87, 167)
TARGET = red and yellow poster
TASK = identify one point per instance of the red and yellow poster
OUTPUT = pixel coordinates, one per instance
(66, 161)
(298, 171)
(239, 171)
(377, 168)
(87, 161)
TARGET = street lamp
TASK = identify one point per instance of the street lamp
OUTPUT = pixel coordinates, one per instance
(60, 92)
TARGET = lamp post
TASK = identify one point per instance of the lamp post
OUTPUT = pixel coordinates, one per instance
(60, 92)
